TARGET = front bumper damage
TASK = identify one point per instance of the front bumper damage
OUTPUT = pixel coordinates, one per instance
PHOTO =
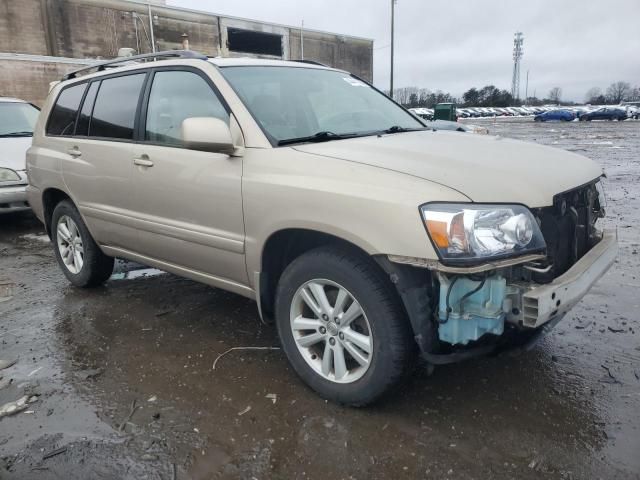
(480, 311)
(544, 303)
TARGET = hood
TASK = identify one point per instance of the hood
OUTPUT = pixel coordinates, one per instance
(484, 168)
(13, 152)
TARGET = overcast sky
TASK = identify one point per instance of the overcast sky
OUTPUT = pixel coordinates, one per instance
(453, 45)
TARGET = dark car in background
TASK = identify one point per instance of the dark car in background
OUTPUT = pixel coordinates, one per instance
(557, 115)
(604, 113)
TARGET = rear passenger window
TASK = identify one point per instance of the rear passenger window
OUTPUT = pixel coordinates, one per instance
(175, 96)
(63, 115)
(114, 112)
(85, 114)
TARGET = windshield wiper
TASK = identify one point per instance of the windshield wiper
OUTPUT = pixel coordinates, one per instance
(318, 137)
(17, 134)
(399, 129)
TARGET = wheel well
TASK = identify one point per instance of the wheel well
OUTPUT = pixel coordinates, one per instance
(50, 198)
(281, 249)
(412, 285)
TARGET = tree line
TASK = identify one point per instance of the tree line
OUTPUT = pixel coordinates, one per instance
(614, 94)
(492, 96)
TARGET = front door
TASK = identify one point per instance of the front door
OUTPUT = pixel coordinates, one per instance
(188, 202)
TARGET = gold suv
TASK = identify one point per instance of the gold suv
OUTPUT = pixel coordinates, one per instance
(365, 235)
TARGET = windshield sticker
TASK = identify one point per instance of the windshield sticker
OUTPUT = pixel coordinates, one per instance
(354, 82)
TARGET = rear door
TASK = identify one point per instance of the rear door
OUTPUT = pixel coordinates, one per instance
(188, 202)
(98, 168)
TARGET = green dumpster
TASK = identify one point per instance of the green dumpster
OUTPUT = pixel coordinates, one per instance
(445, 111)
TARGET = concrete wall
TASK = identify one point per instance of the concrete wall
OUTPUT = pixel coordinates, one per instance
(29, 79)
(351, 54)
(22, 27)
(98, 28)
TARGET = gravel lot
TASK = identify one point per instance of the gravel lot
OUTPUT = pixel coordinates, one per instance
(122, 382)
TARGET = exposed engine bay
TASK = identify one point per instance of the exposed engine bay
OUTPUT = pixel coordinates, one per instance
(470, 306)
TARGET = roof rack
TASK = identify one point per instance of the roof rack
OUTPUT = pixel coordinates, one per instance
(145, 56)
(311, 62)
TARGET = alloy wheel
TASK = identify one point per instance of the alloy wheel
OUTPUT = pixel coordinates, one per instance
(331, 331)
(70, 244)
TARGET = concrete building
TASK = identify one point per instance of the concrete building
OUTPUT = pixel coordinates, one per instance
(42, 39)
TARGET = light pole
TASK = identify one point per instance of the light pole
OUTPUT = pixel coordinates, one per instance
(153, 40)
(393, 4)
(302, 41)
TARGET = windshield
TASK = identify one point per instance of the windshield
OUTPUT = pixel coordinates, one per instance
(297, 103)
(17, 119)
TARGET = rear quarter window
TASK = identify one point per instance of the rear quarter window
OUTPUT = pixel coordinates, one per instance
(62, 119)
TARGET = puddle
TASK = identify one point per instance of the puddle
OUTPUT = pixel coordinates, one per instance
(36, 237)
(133, 274)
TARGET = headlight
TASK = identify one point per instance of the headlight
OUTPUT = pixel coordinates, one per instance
(471, 232)
(8, 175)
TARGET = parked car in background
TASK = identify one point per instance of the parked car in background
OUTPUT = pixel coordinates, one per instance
(456, 126)
(366, 236)
(559, 115)
(424, 113)
(632, 111)
(17, 120)
(604, 113)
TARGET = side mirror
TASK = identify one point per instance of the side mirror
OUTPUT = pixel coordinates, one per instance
(208, 134)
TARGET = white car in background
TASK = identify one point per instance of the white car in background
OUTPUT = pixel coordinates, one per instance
(632, 111)
(17, 120)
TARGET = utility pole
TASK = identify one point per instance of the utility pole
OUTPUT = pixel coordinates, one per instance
(153, 40)
(135, 27)
(518, 40)
(302, 41)
(526, 90)
(393, 3)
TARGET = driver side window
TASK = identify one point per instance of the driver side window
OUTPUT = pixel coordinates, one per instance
(177, 95)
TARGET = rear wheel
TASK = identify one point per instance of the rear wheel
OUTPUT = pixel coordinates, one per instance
(81, 260)
(341, 326)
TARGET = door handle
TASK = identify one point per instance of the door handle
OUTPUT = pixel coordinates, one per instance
(74, 152)
(143, 161)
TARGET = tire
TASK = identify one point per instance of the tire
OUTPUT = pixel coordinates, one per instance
(68, 228)
(382, 321)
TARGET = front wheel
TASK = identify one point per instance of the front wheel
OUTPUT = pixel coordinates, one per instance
(81, 260)
(342, 327)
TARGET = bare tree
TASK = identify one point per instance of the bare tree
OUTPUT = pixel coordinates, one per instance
(618, 91)
(555, 94)
(593, 94)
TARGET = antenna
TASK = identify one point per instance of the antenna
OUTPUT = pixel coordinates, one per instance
(518, 40)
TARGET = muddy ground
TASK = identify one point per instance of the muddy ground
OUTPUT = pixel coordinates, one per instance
(122, 382)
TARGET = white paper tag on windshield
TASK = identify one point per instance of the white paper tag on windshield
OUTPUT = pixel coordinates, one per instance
(354, 82)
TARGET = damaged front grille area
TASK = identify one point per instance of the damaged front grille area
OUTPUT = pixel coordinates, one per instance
(568, 227)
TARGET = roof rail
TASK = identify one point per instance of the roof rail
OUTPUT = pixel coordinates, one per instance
(145, 56)
(311, 62)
